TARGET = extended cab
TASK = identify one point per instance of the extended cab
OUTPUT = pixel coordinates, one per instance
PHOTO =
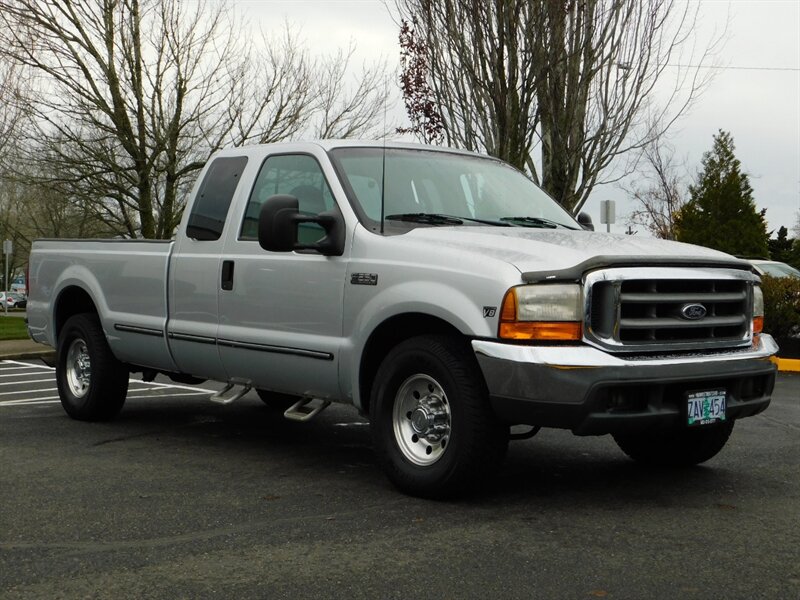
(440, 292)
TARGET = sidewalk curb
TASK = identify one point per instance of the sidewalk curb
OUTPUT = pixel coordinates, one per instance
(28, 354)
(791, 365)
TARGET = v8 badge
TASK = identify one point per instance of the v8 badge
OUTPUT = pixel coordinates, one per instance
(489, 311)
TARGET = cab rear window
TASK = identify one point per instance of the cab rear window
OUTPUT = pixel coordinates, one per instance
(214, 198)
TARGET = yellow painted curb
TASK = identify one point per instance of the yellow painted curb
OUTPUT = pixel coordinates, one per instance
(787, 364)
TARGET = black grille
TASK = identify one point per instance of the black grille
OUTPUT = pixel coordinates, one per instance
(641, 312)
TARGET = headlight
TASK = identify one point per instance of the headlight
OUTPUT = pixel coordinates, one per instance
(758, 310)
(542, 312)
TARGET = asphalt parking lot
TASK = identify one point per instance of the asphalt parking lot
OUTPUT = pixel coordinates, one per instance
(183, 498)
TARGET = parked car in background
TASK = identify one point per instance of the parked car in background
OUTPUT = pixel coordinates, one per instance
(20, 285)
(773, 268)
(13, 300)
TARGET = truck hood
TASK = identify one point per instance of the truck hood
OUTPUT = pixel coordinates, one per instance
(567, 254)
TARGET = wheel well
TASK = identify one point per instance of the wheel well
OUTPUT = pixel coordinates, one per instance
(386, 336)
(72, 301)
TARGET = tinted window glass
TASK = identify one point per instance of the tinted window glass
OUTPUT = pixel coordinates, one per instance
(296, 175)
(410, 182)
(778, 269)
(214, 198)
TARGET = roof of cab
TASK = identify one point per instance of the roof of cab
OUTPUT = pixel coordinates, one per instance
(299, 146)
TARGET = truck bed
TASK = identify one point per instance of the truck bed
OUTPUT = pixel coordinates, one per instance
(126, 280)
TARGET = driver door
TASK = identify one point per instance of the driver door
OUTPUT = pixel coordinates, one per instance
(280, 321)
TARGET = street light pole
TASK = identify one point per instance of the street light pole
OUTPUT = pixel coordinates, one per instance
(8, 248)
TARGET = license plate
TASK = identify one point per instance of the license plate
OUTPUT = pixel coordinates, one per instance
(705, 408)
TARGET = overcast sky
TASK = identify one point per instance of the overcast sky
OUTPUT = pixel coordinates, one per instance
(757, 98)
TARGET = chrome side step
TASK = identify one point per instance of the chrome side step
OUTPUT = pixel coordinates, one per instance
(221, 398)
(306, 409)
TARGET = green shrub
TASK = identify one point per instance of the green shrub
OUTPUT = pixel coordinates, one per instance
(781, 305)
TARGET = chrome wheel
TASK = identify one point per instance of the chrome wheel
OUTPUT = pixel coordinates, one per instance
(79, 368)
(421, 419)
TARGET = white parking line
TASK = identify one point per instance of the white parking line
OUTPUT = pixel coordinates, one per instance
(178, 387)
(32, 374)
(143, 389)
(153, 383)
(18, 400)
(23, 365)
(27, 391)
(34, 381)
(27, 402)
(56, 400)
(171, 395)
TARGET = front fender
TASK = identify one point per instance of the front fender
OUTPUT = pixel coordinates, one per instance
(430, 298)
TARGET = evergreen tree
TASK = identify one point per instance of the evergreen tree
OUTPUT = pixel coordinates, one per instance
(721, 213)
(793, 256)
(780, 248)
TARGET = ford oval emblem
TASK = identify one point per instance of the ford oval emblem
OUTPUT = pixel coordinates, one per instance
(693, 312)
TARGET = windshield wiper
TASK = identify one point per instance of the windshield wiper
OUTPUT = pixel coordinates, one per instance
(535, 222)
(429, 218)
(442, 219)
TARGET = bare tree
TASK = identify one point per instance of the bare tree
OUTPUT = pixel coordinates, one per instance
(11, 87)
(134, 95)
(561, 88)
(659, 190)
(31, 211)
(347, 111)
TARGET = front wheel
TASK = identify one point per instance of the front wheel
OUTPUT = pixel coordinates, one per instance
(92, 383)
(678, 447)
(434, 432)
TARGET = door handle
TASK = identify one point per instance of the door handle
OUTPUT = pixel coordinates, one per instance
(227, 275)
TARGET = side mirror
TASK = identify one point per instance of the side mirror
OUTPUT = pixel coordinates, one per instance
(585, 221)
(277, 227)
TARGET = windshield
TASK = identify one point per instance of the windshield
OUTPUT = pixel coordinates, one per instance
(778, 269)
(424, 187)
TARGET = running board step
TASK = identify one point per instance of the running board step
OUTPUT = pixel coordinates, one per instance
(221, 398)
(306, 409)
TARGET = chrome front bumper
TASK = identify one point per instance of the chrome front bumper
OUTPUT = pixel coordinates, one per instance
(593, 392)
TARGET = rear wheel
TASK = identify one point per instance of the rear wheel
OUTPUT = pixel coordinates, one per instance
(92, 383)
(678, 447)
(434, 432)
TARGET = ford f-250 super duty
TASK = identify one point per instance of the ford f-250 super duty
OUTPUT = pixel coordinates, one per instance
(440, 292)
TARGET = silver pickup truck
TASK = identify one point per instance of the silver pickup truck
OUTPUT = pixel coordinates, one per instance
(440, 292)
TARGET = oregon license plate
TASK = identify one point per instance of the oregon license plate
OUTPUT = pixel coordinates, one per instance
(705, 408)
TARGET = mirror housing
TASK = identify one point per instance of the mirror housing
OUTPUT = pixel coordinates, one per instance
(585, 221)
(277, 227)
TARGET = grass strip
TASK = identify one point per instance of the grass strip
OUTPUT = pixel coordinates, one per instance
(13, 328)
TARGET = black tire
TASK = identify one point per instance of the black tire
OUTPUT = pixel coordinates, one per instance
(453, 393)
(277, 401)
(676, 448)
(96, 395)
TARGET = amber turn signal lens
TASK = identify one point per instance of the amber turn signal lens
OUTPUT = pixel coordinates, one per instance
(508, 312)
(526, 330)
(758, 324)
